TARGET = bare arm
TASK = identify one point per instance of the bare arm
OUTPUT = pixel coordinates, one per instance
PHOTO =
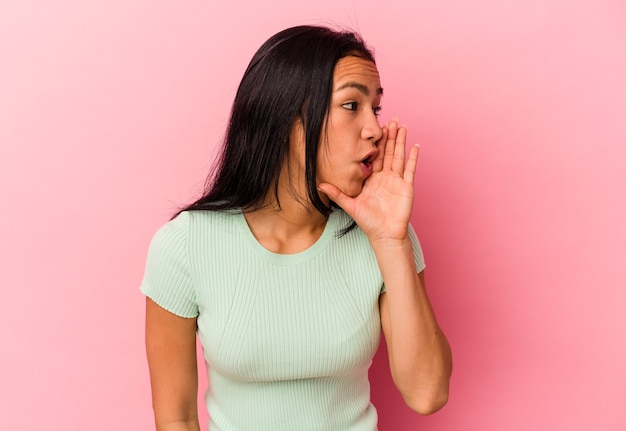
(419, 354)
(171, 350)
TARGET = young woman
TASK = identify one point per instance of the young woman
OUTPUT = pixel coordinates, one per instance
(297, 255)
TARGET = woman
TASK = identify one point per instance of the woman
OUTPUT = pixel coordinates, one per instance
(295, 257)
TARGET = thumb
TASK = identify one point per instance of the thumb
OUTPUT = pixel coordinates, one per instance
(337, 196)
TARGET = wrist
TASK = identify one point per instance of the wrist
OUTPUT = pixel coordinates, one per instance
(390, 245)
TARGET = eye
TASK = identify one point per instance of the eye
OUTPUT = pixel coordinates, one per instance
(377, 110)
(351, 106)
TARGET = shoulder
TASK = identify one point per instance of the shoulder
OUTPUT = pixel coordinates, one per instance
(343, 224)
(349, 237)
(168, 278)
(213, 224)
(185, 227)
(356, 242)
(171, 233)
(418, 254)
(200, 220)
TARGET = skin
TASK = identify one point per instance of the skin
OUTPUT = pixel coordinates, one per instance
(353, 130)
(419, 354)
(171, 350)
(363, 168)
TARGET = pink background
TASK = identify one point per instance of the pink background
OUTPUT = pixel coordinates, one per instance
(110, 113)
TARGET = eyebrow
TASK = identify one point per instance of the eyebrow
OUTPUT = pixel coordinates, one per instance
(362, 88)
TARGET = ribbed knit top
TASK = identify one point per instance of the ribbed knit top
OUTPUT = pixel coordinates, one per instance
(287, 339)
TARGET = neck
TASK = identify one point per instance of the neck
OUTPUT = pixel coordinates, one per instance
(293, 227)
(290, 230)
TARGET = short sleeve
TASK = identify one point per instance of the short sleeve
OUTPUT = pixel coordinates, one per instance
(167, 279)
(418, 255)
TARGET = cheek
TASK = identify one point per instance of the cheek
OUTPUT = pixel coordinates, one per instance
(334, 156)
(324, 169)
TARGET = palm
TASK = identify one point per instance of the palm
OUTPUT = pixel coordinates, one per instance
(383, 208)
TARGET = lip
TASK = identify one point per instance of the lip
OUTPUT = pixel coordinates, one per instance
(366, 169)
(366, 162)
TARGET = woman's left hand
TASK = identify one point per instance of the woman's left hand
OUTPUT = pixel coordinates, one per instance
(383, 208)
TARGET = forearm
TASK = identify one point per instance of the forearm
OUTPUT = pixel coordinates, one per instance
(190, 424)
(175, 410)
(419, 353)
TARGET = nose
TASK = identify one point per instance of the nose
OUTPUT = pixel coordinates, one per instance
(371, 129)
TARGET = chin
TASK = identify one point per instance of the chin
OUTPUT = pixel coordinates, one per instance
(354, 191)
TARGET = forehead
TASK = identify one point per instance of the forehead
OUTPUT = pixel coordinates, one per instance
(356, 69)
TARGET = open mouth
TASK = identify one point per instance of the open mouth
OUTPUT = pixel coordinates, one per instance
(366, 164)
(368, 160)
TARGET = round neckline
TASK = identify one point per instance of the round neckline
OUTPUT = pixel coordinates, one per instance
(288, 259)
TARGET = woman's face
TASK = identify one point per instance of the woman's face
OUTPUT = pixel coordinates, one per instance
(348, 143)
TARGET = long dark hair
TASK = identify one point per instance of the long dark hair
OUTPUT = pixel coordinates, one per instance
(290, 77)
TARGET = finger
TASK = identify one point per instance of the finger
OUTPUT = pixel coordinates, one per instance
(411, 163)
(399, 152)
(377, 164)
(390, 145)
(337, 196)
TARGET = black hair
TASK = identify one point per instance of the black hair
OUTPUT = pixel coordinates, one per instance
(289, 78)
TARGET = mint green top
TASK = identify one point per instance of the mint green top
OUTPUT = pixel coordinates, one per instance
(287, 339)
